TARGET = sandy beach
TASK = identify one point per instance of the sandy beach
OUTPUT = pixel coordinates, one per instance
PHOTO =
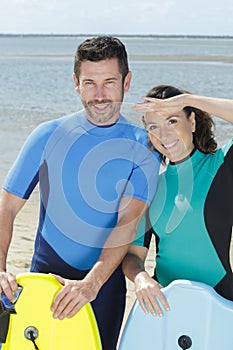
(181, 58)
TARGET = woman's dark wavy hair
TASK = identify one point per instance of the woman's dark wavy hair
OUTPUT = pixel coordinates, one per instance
(203, 137)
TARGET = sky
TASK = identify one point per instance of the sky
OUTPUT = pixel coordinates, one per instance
(158, 17)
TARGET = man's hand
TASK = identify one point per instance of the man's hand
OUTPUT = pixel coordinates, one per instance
(8, 285)
(72, 297)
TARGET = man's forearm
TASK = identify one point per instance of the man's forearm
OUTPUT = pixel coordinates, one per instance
(9, 207)
(6, 228)
(114, 251)
(117, 244)
(108, 261)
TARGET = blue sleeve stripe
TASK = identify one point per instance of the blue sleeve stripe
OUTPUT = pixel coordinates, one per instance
(26, 194)
(31, 186)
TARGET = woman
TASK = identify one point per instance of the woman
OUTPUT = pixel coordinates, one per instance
(192, 212)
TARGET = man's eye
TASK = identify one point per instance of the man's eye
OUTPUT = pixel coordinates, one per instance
(152, 127)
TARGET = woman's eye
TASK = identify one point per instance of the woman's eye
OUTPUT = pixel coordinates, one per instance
(172, 121)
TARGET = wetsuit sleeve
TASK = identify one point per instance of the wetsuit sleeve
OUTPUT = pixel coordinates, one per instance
(228, 149)
(228, 160)
(144, 177)
(24, 174)
(144, 232)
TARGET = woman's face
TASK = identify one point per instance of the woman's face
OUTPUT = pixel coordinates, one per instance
(172, 136)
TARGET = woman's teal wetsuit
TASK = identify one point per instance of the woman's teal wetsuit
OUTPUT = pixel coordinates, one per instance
(191, 217)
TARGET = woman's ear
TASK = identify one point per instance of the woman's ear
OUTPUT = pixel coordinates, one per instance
(193, 121)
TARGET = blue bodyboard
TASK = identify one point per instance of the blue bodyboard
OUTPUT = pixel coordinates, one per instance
(199, 319)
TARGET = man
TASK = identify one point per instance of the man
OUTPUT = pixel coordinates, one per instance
(96, 178)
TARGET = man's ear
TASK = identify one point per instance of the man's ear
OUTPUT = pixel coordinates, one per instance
(127, 81)
(76, 84)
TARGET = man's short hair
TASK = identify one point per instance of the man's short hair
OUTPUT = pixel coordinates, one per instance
(101, 48)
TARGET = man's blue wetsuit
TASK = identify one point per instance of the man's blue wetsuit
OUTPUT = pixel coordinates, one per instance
(83, 171)
(192, 216)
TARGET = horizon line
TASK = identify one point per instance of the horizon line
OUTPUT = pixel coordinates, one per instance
(118, 35)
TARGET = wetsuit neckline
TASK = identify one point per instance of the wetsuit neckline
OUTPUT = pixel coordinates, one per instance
(184, 159)
(99, 130)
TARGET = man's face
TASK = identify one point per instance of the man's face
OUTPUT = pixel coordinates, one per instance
(102, 89)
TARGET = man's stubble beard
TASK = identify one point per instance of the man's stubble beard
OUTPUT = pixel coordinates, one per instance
(102, 118)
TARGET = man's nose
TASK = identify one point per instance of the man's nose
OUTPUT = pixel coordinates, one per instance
(99, 92)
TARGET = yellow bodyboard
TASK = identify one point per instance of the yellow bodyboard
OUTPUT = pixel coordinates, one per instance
(34, 318)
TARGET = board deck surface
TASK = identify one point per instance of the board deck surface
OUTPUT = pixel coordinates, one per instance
(199, 319)
(34, 318)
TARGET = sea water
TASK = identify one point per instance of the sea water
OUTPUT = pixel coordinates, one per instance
(37, 83)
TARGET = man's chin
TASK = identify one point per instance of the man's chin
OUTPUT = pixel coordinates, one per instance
(106, 118)
(101, 120)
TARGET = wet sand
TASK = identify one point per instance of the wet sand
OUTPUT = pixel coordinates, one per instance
(182, 58)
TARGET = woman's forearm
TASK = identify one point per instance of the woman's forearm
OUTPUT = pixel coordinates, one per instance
(218, 107)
